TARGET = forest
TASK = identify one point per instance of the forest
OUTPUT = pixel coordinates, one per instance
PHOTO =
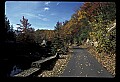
(93, 24)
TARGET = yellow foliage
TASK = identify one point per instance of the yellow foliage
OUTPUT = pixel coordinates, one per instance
(81, 15)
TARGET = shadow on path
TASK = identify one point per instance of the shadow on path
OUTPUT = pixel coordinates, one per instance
(77, 47)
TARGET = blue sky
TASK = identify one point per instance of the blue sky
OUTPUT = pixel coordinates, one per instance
(41, 14)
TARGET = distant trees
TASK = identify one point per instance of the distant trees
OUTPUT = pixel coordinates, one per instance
(58, 25)
(59, 39)
(58, 33)
(43, 34)
(64, 23)
(9, 32)
(78, 27)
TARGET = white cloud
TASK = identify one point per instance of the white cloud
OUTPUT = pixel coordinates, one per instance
(30, 15)
(44, 19)
(52, 14)
(58, 3)
(40, 15)
(36, 2)
(46, 8)
(47, 3)
(15, 26)
(35, 16)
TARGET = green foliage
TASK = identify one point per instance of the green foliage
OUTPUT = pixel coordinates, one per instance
(64, 23)
(9, 33)
(38, 36)
(27, 37)
(58, 26)
(100, 34)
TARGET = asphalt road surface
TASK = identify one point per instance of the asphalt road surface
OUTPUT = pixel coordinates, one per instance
(83, 64)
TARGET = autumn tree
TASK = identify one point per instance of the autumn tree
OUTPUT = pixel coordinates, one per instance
(80, 26)
(23, 27)
(25, 32)
(94, 9)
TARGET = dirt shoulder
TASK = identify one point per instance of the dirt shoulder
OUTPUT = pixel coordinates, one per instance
(59, 67)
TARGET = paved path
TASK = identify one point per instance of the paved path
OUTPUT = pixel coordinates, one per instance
(82, 64)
